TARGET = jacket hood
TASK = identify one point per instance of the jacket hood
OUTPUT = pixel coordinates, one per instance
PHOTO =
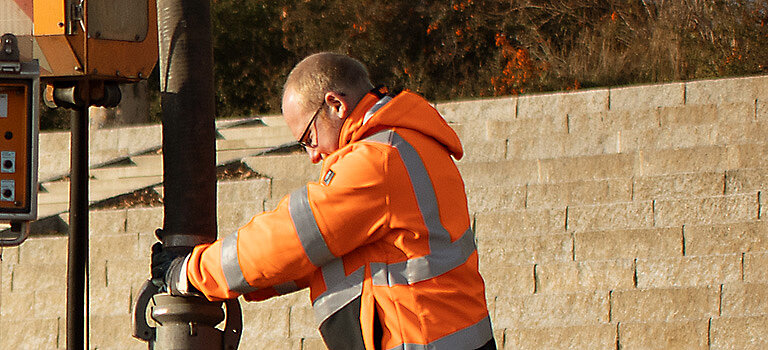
(406, 110)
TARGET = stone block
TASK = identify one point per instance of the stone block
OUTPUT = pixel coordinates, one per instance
(462, 111)
(736, 113)
(232, 216)
(541, 126)
(733, 238)
(584, 276)
(678, 137)
(578, 193)
(583, 101)
(628, 244)
(17, 306)
(50, 304)
(144, 219)
(42, 250)
(617, 120)
(24, 334)
(687, 185)
(114, 247)
(749, 132)
(302, 322)
(484, 151)
(242, 190)
(295, 165)
(756, 267)
(665, 305)
(595, 143)
(720, 91)
(506, 281)
(744, 299)
(39, 277)
(625, 215)
(269, 323)
(10, 255)
(761, 109)
(609, 166)
(515, 223)
(489, 197)
(54, 141)
(112, 332)
(708, 210)
(647, 96)
(561, 310)
(745, 180)
(536, 147)
(107, 222)
(684, 160)
(677, 116)
(134, 139)
(122, 274)
(598, 336)
(112, 301)
(469, 131)
(744, 333)
(520, 250)
(697, 271)
(686, 335)
(749, 155)
(509, 172)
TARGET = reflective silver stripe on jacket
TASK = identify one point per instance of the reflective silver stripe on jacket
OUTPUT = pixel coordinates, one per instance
(341, 290)
(471, 337)
(233, 273)
(384, 100)
(311, 239)
(230, 264)
(444, 255)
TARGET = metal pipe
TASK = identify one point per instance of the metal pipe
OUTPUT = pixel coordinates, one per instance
(189, 139)
(77, 264)
(189, 170)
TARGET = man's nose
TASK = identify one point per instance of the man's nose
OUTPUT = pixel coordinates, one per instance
(314, 155)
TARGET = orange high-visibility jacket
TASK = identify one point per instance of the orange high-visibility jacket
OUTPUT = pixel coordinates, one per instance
(385, 232)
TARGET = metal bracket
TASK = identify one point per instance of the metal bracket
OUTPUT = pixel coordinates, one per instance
(9, 54)
(75, 16)
(19, 233)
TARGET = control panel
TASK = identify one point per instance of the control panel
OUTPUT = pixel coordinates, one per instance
(19, 113)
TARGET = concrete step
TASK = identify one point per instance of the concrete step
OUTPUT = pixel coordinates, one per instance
(278, 132)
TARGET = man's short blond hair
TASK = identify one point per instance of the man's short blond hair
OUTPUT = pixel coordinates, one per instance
(324, 72)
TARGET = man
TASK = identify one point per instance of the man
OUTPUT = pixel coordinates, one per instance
(383, 240)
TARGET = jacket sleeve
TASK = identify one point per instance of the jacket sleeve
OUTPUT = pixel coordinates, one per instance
(278, 250)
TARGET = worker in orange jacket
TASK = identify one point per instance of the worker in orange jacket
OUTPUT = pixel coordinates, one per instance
(383, 239)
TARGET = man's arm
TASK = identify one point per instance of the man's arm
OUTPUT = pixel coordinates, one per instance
(309, 228)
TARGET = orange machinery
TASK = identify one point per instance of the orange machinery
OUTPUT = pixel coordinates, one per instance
(79, 50)
(101, 40)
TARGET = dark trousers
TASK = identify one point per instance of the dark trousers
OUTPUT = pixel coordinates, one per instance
(378, 332)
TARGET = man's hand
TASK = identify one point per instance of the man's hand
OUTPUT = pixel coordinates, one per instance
(163, 258)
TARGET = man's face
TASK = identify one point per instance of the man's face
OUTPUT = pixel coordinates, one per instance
(322, 133)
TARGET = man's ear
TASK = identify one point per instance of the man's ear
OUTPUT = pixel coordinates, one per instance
(337, 103)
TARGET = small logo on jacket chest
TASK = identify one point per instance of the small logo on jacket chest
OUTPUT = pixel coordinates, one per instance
(328, 177)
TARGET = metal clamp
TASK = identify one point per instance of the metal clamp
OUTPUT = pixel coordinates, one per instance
(180, 319)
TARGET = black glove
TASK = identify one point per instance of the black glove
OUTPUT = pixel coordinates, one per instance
(162, 259)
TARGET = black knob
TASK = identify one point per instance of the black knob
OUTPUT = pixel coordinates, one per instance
(8, 135)
(7, 164)
(7, 193)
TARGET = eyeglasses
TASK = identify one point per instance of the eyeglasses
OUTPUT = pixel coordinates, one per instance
(304, 136)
